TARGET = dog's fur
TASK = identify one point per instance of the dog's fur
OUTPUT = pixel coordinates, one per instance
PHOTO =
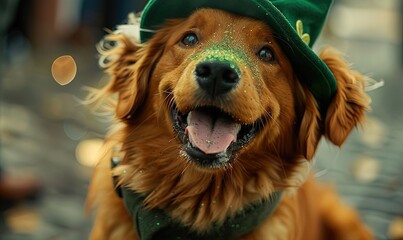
(150, 78)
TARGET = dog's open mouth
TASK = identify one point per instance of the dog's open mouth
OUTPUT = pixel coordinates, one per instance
(211, 137)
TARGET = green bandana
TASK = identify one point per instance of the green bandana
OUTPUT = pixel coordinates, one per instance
(296, 23)
(156, 224)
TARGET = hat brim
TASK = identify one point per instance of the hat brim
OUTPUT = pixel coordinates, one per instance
(309, 67)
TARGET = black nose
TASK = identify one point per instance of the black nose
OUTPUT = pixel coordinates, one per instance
(216, 78)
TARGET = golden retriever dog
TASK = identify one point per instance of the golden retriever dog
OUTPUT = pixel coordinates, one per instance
(216, 133)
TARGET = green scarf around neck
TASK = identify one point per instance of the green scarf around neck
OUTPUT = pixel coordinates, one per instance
(157, 224)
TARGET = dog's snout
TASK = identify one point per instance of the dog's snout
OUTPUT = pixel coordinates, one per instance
(216, 77)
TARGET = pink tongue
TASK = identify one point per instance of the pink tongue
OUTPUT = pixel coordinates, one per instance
(211, 137)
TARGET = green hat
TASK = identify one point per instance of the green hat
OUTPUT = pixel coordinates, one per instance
(296, 22)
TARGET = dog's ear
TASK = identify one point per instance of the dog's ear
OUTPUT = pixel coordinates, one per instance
(130, 65)
(132, 85)
(346, 110)
(350, 102)
(309, 132)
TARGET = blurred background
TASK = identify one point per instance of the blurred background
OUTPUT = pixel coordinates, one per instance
(49, 141)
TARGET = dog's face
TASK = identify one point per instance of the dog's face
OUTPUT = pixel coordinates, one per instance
(224, 88)
(225, 84)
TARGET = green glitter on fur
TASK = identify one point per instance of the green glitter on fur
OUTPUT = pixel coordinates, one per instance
(227, 49)
(223, 59)
(231, 53)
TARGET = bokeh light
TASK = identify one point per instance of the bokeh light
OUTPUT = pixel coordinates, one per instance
(64, 69)
(88, 152)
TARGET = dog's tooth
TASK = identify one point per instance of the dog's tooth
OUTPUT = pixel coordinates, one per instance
(188, 118)
(238, 127)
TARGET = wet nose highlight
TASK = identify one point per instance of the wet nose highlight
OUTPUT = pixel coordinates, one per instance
(216, 78)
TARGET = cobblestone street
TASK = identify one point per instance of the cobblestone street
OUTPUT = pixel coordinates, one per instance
(41, 124)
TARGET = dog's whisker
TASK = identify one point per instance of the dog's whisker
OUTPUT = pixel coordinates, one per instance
(268, 115)
(169, 104)
(169, 148)
(281, 161)
(187, 164)
(170, 107)
(167, 92)
(172, 139)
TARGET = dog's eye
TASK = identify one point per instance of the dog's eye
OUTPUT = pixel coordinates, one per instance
(266, 55)
(189, 39)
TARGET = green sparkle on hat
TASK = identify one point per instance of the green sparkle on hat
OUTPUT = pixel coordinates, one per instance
(296, 22)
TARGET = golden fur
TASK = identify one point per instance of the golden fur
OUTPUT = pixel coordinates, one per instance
(149, 78)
